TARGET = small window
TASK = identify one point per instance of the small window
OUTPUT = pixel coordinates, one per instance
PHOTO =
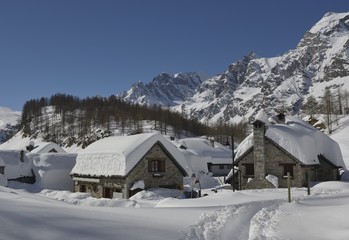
(107, 192)
(155, 166)
(82, 188)
(2, 169)
(111, 192)
(221, 166)
(288, 168)
(249, 169)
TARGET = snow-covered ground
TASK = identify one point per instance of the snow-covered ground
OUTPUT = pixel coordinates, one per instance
(253, 214)
(27, 212)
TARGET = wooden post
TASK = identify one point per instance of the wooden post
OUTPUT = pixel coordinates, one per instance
(289, 186)
(308, 181)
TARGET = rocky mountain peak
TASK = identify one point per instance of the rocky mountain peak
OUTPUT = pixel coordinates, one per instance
(253, 82)
(331, 23)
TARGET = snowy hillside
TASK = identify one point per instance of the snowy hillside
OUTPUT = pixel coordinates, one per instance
(252, 83)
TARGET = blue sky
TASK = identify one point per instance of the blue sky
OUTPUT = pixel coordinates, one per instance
(101, 47)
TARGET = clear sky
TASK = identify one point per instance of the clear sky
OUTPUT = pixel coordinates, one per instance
(102, 47)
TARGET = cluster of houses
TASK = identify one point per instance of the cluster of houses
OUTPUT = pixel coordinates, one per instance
(120, 166)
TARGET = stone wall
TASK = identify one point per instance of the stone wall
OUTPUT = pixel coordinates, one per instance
(274, 160)
(95, 186)
(171, 177)
(327, 172)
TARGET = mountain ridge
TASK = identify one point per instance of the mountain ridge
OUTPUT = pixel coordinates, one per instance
(252, 83)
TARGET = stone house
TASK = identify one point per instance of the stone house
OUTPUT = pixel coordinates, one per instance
(280, 145)
(120, 166)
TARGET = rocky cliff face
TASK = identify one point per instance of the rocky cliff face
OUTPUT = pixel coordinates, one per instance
(164, 90)
(253, 83)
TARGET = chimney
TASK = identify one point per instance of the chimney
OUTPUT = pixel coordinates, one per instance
(258, 142)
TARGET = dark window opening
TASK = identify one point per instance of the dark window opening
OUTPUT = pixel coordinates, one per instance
(108, 192)
(82, 188)
(288, 168)
(155, 166)
(221, 166)
(249, 169)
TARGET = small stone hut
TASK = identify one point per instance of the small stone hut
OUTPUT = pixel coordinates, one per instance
(281, 145)
(120, 166)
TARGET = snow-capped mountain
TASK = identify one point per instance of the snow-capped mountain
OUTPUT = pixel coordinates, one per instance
(164, 90)
(8, 122)
(320, 59)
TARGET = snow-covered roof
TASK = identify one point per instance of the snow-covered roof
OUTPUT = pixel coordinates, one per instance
(18, 142)
(301, 140)
(46, 147)
(14, 166)
(117, 155)
(216, 154)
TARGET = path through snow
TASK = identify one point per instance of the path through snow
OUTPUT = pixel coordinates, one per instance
(255, 220)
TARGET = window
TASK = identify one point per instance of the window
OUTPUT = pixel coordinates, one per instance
(249, 169)
(288, 168)
(221, 166)
(2, 169)
(111, 192)
(82, 188)
(156, 166)
(107, 192)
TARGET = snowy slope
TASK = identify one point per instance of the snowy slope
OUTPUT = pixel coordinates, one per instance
(7, 116)
(340, 135)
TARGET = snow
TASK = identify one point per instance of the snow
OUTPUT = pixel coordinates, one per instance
(117, 155)
(216, 154)
(159, 214)
(45, 147)
(8, 116)
(340, 135)
(52, 170)
(14, 166)
(305, 142)
(328, 22)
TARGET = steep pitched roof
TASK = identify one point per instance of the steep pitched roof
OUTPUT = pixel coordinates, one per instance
(300, 140)
(217, 154)
(46, 147)
(118, 155)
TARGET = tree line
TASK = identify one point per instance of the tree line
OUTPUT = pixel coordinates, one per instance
(333, 103)
(67, 120)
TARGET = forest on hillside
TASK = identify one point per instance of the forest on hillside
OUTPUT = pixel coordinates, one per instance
(67, 120)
